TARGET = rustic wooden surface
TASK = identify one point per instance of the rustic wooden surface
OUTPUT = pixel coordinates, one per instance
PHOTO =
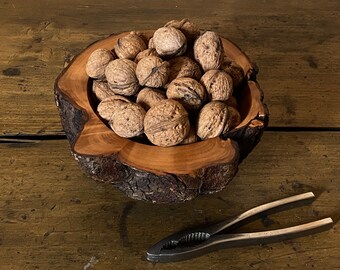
(53, 217)
(295, 44)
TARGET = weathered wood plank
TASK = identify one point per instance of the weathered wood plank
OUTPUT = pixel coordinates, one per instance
(53, 217)
(295, 44)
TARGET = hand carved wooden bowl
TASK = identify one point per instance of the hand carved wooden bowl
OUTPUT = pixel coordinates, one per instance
(153, 173)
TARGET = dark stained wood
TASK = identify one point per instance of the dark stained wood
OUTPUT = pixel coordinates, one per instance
(53, 217)
(163, 174)
(296, 46)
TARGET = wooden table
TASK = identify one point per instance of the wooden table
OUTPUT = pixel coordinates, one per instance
(53, 217)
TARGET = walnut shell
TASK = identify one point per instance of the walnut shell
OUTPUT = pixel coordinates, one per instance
(192, 136)
(129, 46)
(190, 30)
(212, 119)
(169, 41)
(149, 97)
(101, 89)
(142, 35)
(121, 77)
(189, 92)
(219, 84)
(108, 106)
(234, 70)
(128, 121)
(145, 53)
(151, 45)
(232, 102)
(183, 66)
(234, 119)
(97, 62)
(167, 123)
(208, 51)
(152, 71)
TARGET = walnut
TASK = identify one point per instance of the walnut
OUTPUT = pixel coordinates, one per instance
(108, 106)
(129, 46)
(145, 53)
(121, 77)
(151, 45)
(189, 29)
(142, 36)
(208, 51)
(167, 123)
(232, 102)
(169, 41)
(152, 71)
(189, 92)
(183, 66)
(149, 97)
(219, 84)
(191, 138)
(97, 62)
(234, 119)
(212, 119)
(234, 70)
(101, 89)
(128, 121)
(190, 53)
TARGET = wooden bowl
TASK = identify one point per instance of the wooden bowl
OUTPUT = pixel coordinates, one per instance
(152, 173)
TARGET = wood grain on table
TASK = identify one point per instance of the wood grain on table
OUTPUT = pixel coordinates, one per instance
(53, 217)
(295, 45)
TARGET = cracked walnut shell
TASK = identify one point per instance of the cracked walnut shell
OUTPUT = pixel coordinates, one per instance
(97, 62)
(167, 123)
(129, 46)
(169, 41)
(208, 51)
(219, 85)
(152, 71)
(121, 77)
(189, 92)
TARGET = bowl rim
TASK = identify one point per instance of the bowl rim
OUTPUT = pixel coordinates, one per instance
(72, 82)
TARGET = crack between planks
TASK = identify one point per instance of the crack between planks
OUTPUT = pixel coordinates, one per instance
(30, 138)
(34, 138)
(303, 129)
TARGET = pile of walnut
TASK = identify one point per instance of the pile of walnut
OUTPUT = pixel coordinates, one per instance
(178, 89)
